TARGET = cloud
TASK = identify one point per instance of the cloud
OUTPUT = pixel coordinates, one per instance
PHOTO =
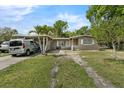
(75, 21)
(14, 13)
(14, 16)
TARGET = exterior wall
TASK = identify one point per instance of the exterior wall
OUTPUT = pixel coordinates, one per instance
(53, 44)
(75, 42)
(66, 44)
(94, 46)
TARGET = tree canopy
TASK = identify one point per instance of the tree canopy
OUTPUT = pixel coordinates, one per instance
(82, 31)
(6, 33)
(107, 24)
(96, 13)
(59, 27)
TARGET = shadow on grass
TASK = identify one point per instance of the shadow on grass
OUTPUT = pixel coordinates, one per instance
(32, 55)
(58, 55)
(53, 51)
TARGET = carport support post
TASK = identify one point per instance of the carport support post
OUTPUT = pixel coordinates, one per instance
(72, 46)
(46, 44)
(40, 44)
(43, 45)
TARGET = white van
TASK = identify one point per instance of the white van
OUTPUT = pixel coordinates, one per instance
(21, 46)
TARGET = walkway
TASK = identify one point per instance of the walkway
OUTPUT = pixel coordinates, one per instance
(99, 81)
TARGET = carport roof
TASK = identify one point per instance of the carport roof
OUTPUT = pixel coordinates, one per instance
(32, 36)
(28, 36)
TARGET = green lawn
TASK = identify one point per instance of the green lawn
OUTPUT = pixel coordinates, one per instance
(110, 69)
(35, 72)
(71, 75)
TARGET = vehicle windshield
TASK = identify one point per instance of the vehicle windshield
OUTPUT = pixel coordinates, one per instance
(15, 43)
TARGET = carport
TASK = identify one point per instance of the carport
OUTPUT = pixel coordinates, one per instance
(45, 41)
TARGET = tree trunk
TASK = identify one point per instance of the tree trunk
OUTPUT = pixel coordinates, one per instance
(118, 45)
(114, 51)
(40, 44)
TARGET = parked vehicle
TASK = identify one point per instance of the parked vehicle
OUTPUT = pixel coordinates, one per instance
(21, 46)
(37, 47)
(4, 47)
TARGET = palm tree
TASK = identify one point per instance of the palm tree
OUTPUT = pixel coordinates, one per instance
(60, 26)
(31, 31)
(82, 31)
(47, 30)
(50, 31)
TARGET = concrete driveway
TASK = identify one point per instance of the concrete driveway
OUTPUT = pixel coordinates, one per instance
(9, 60)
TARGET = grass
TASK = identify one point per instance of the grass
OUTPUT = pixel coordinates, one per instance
(36, 73)
(71, 75)
(31, 73)
(105, 66)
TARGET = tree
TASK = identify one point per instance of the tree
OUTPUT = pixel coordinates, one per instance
(69, 33)
(96, 13)
(107, 24)
(49, 30)
(45, 29)
(6, 33)
(95, 31)
(31, 31)
(60, 26)
(83, 30)
(111, 31)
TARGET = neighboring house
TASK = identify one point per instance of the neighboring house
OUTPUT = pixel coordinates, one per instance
(81, 42)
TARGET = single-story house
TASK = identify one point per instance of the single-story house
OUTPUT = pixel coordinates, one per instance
(80, 42)
(83, 42)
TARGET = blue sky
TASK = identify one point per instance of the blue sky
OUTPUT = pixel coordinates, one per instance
(23, 18)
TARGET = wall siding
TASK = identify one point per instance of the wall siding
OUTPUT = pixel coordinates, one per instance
(95, 46)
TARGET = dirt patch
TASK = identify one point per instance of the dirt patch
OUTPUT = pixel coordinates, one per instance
(53, 75)
(55, 69)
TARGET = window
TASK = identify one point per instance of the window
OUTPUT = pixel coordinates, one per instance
(15, 43)
(87, 41)
(31, 42)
